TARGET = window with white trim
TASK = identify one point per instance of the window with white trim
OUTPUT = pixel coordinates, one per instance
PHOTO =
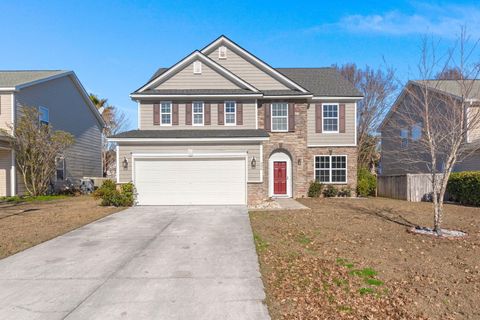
(331, 169)
(404, 137)
(166, 113)
(330, 118)
(43, 115)
(222, 52)
(197, 67)
(280, 116)
(230, 113)
(197, 114)
(60, 168)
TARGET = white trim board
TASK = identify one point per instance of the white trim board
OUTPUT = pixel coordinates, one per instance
(155, 96)
(180, 140)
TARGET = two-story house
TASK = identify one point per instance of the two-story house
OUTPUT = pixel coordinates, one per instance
(403, 145)
(63, 103)
(222, 126)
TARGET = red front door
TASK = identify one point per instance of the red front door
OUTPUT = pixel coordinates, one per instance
(280, 177)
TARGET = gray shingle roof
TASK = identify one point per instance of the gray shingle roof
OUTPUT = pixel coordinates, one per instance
(157, 73)
(321, 81)
(13, 78)
(185, 134)
(197, 91)
(455, 87)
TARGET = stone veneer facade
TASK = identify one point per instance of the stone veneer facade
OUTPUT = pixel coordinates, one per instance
(302, 157)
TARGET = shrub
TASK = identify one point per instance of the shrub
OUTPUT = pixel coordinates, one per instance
(330, 191)
(345, 192)
(111, 196)
(366, 183)
(315, 189)
(464, 187)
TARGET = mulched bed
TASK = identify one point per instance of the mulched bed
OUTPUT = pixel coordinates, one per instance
(354, 259)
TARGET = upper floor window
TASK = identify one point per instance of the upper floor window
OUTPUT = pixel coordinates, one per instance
(404, 137)
(222, 52)
(330, 118)
(197, 114)
(280, 117)
(43, 115)
(416, 131)
(166, 113)
(197, 67)
(230, 113)
(331, 169)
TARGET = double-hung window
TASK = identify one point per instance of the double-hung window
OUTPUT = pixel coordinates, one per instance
(43, 115)
(230, 113)
(198, 114)
(166, 113)
(417, 131)
(331, 169)
(280, 117)
(330, 118)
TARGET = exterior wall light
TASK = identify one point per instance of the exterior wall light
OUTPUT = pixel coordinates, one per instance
(299, 161)
(125, 163)
(253, 162)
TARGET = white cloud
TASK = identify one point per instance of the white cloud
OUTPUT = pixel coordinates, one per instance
(441, 21)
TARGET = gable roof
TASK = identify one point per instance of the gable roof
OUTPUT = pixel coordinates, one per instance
(16, 79)
(194, 56)
(253, 59)
(324, 82)
(449, 87)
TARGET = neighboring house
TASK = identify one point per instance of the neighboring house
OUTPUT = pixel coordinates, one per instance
(402, 130)
(62, 103)
(223, 127)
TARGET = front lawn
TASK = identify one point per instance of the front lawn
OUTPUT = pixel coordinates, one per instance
(353, 259)
(24, 224)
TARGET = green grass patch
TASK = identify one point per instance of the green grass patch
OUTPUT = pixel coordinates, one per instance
(364, 291)
(364, 273)
(260, 244)
(345, 309)
(340, 282)
(18, 199)
(373, 282)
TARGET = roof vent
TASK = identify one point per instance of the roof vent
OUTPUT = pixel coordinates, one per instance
(197, 67)
(222, 52)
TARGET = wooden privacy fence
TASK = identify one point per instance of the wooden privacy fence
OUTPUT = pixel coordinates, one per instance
(411, 187)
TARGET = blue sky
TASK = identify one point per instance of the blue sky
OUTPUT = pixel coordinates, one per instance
(115, 46)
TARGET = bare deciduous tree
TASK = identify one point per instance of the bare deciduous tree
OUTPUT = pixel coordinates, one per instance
(37, 147)
(440, 117)
(378, 87)
(115, 121)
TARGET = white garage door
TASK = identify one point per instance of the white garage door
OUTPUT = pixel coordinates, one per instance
(186, 181)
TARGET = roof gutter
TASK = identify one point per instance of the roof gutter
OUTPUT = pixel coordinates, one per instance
(218, 139)
(153, 96)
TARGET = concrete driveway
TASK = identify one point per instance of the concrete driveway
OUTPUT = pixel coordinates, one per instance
(141, 263)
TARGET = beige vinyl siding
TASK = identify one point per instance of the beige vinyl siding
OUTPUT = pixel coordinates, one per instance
(146, 117)
(247, 71)
(208, 79)
(126, 150)
(68, 111)
(5, 165)
(5, 110)
(331, 139)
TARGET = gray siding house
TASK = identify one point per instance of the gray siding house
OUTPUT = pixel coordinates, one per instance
(64, 104)
(402, 129)
(222, 126)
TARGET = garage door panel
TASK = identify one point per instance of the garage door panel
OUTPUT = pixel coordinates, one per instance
(190, 181)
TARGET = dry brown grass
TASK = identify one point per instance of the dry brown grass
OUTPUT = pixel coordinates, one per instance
(307, 258)
(27, 224)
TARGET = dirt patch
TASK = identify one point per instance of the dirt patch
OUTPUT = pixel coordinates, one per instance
(354, 259)
(27, 224)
